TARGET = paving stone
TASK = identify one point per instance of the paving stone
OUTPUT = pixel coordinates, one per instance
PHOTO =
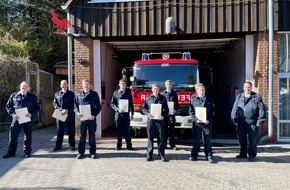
(126, 169)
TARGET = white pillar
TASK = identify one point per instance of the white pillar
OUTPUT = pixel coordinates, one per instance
(98, 82)
(69, 58)
(249, 53)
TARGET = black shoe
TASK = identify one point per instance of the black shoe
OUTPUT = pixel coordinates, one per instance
(118, 148)
(163, 159)
(72, 148)
(8, 155)
(80, 156)
(27, 156)
(251, 159)
(210, 159)
(241, 156)
(56, 148)
(93, 156)
(130, 148)
(149, 159)
(193, 158)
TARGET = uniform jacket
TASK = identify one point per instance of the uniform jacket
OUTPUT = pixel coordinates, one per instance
(172, 97)
(16, 101)
(64, 100)
(151, 99)
(89, 98)
(252, 111)
(206, 102)
(117, 95)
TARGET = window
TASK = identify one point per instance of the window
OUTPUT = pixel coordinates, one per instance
(283, 53)
(181, 75)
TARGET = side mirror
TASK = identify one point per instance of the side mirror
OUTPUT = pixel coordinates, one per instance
(132, 78)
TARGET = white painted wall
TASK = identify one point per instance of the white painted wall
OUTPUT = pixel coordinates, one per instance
(97, 81)
(249, 58)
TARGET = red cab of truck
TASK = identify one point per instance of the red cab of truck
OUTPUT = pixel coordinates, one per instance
(154, 68)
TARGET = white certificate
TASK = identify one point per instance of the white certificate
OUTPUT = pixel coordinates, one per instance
(21, 114)
(57, 115)
(124, 105)
(200, 113)
(170, 107)
(155, 110)
(86, 111)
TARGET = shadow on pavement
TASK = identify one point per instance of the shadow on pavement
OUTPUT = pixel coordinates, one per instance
(41, 139)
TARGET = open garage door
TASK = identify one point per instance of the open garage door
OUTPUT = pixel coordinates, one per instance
(224, 55)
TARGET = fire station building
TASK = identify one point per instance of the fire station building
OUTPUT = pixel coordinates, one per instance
(231, 37)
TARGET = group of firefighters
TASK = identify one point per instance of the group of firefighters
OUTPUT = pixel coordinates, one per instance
(248, 113)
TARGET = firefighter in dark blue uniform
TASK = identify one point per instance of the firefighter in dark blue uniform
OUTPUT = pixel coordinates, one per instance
(21, 99)
(248, 113)
(169, 121)
(201, 128)
(64, 101)
(122, 117)
(155, 126)
(87, 97)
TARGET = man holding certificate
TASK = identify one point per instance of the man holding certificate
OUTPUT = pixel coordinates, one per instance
(64, 113)
(87, 106)
(169, 121)
(201, 110)
(122, 104)
(22, 106)
(156, 109)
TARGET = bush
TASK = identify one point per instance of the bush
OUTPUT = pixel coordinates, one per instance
(12, 73)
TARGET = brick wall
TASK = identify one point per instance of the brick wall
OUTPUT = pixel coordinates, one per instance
(83, 48)
(83, 56)
(262, 78)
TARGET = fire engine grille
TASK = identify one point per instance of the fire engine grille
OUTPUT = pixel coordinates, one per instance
(184, 110)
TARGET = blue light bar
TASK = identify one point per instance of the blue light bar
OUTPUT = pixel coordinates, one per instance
(145, 56)
(186, 55)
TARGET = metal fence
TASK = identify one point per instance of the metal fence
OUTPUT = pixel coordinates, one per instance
(13, 72)
(48, 84)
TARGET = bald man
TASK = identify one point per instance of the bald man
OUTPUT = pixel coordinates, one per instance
(21, 99)
(64, 101)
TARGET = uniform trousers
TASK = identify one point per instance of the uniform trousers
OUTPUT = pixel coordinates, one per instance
(91, 127)
(155, 128)
(123, 127)
(246, 131)
(205, 132)
(15, 129)
(169, 130)
(69, 123)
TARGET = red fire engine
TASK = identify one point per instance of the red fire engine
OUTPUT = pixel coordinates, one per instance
(184, 73)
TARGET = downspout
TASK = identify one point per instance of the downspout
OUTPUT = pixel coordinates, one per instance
(270, 67)
(69, 51)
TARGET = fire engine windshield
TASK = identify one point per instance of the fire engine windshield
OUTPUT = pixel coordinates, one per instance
(182, 75)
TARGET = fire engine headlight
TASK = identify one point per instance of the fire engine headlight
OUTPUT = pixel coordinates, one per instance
(137, 108)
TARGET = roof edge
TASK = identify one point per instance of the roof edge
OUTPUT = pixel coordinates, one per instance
(69, 3)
